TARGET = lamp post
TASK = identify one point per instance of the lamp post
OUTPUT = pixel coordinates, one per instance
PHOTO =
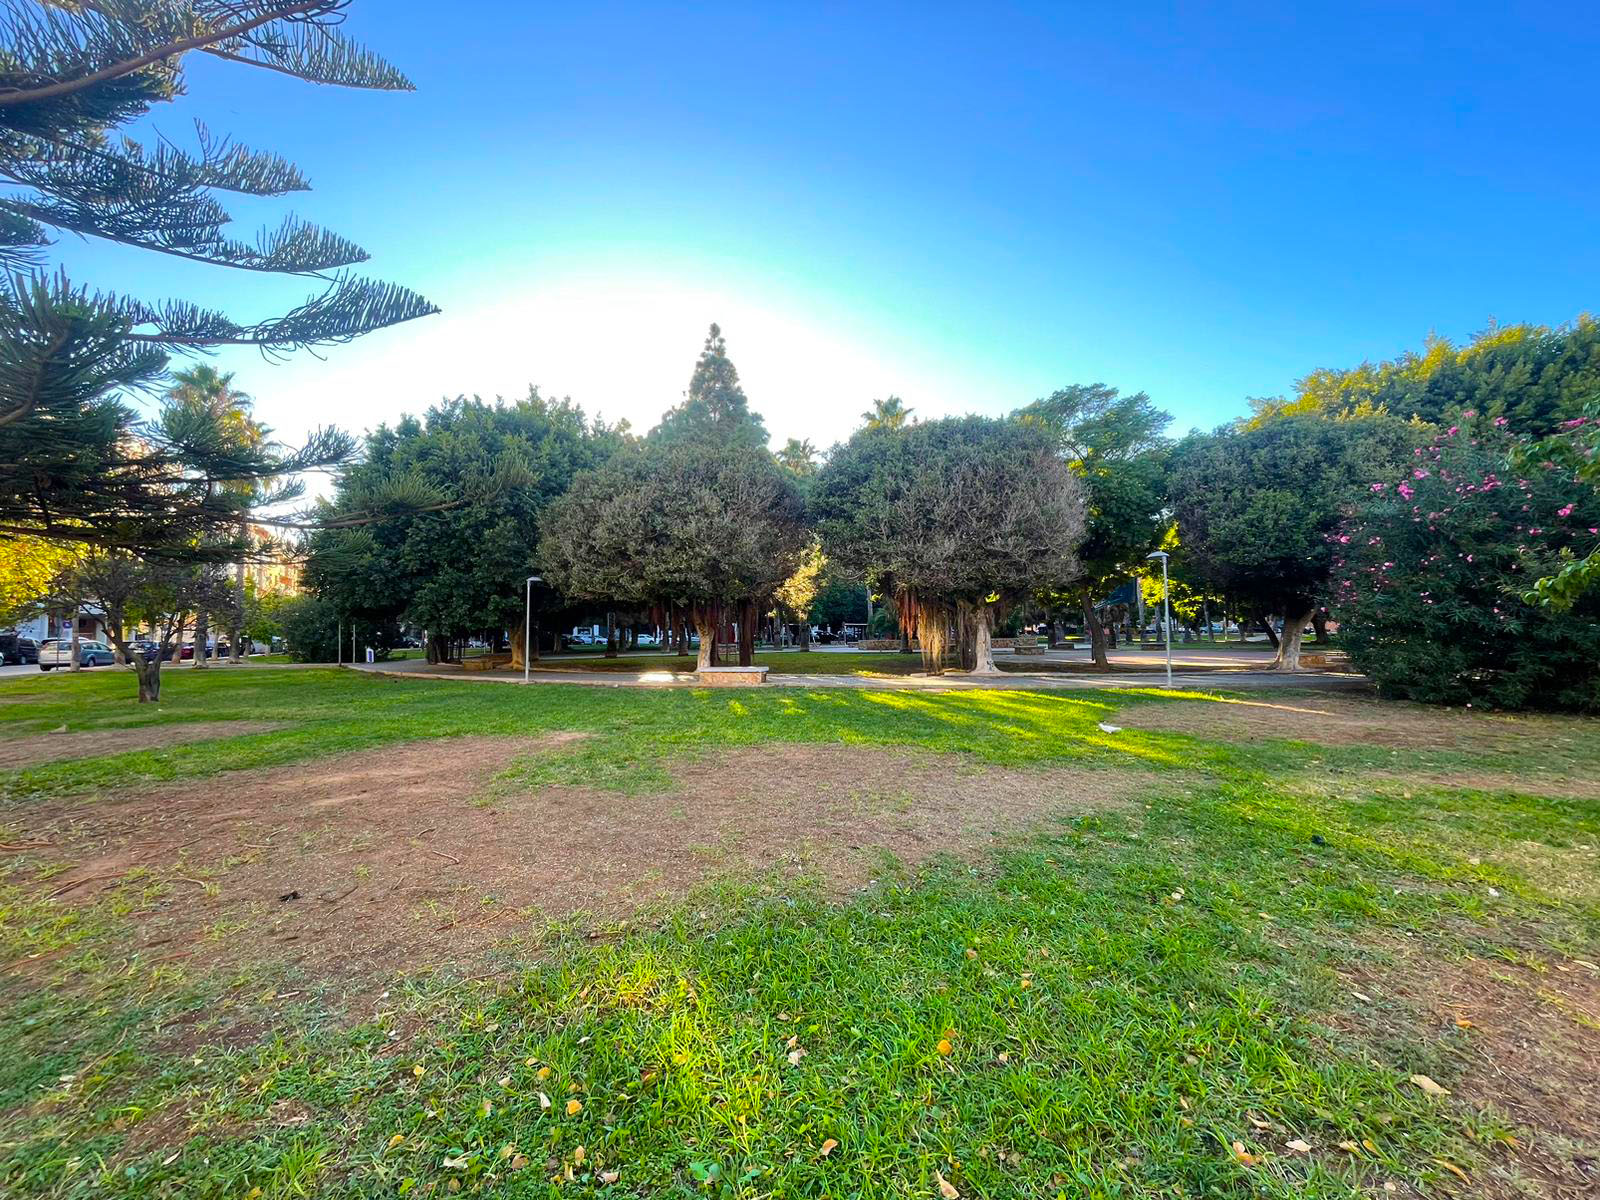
(1166, 610)
(527, 626)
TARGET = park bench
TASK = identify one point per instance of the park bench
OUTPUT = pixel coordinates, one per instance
(485, 662)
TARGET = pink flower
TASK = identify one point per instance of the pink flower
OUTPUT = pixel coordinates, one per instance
(1567, 511)
(1378, 487)
(1419, 473)
(1501, 422)
(1405, 490)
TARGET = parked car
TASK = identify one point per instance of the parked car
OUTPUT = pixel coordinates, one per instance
(57, 652)
(148, 649)
(14, 648)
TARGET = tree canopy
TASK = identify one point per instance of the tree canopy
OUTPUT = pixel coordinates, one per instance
(1532, 376)
(951, 516)
(1257, 507)
(715, 408)
(1116, 446)
(78, 462)
(480, 477)
(687, 526)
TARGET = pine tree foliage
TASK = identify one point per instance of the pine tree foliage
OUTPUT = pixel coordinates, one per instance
(76, 461)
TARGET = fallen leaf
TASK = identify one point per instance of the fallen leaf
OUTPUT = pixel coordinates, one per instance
(796, 1055)
(518, 1161)
(1300, 1146)
(827, 1147)
(1349, 1147)
(396, 1140)
(574, 1107)
(418, 1070)
(946, 1188)
(542, 1073)
(579, 1155)
(971, 953)
(1104, 728)
(1363, 997)
(1454, 1170)
(456, 1164)
(1242, 1156)
(1463, 1023)
(945, 1047)
(610, 1176)
(1027, 983)
(1258, 1122)
(544, 1101)
(1429, 1086)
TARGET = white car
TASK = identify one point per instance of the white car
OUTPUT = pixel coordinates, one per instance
(57, 652)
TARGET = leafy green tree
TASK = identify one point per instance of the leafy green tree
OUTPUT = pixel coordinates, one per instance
(715, 409)
(887, 414)
(132, 594)
(840, 599)
(796, 594)
(1433, 568)
(952, 518)
(1116, 445)
(1575, 450)
(686, 527)
(1257, 507)
(455, 558)
(799, 456)
(1533, 377)
(77, 462)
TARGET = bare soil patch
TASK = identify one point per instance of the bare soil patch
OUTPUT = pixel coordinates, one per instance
(406, 855)
(1528, 1045)
(1347, 720)
(89, 743)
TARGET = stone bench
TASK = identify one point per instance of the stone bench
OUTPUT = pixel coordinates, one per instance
(732, 676)
(1021, 648)
(485, 662)
(1326, 660)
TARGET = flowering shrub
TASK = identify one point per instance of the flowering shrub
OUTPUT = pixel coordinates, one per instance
(1432, 571)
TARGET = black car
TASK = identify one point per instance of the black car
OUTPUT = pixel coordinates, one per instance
(14, 648)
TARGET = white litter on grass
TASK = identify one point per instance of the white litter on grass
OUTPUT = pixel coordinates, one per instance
(1104, 728)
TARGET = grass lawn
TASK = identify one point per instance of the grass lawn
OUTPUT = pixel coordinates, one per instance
(405, 937)
(860, 662)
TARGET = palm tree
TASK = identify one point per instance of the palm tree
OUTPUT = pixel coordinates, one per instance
(206, 388)
(798, 456)
(888, 414)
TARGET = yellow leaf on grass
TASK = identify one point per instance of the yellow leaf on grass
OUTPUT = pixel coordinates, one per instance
(945, 1047)
(418, 1070)
(518, 1161)
(396, 1140)
(1454, 1170)
(946, 1188)
(542, 1073)
(1429, 1086)
(1300, 1146)
(574, 1107)
(579, 1155)
(827, 1147)
(1243, 1156)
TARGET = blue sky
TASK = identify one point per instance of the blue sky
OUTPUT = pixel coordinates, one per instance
(966, 205)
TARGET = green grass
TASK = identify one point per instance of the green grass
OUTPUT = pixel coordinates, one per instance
(1122, 996)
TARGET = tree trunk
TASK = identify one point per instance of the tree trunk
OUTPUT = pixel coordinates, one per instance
(747, 633)
(611, 635)
(1294, 624)
(1205, 611)
(77, 652)
(1095, 630)
(707, 629)
(202, 630)
(905, 643)
(1319, 622)
(983, 636)
(1272, 634)
(149, 672)
(805, 636)
(238, 612)
(1053, 633)
(966, 636)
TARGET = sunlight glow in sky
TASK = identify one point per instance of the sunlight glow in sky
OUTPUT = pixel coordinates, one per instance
(967, 206)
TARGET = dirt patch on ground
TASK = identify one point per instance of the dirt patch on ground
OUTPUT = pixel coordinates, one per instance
(88, 743)
(407, 855)
(1346, 720)
(1526, 1042)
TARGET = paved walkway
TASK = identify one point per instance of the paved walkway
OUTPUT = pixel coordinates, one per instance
(1199, 669)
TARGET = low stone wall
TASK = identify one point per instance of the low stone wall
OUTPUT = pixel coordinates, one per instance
(731, 676)
(485, 662)
(885, 644)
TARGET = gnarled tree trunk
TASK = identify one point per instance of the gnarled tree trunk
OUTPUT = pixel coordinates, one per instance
(1294, 624)
(983, 645)
(747, 633)
(202, 630)
(706, 626)
(1095, 630)
(149, 672)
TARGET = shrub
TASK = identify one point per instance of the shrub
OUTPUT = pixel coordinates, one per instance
(1432, 569)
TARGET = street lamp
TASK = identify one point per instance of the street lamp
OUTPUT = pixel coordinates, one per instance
(1166, 610)
(527, 626)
